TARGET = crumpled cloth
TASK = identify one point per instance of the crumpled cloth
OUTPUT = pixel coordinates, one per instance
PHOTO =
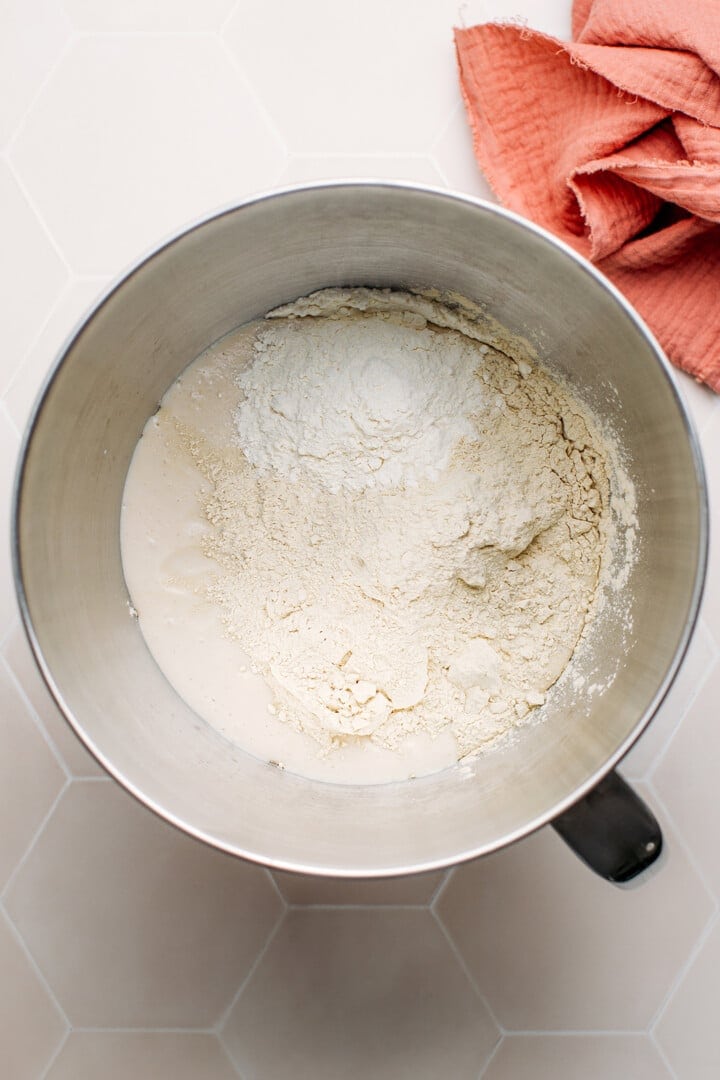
(612, 142)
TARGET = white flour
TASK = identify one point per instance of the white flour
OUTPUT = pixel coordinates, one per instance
(407, 525)
(357, 403)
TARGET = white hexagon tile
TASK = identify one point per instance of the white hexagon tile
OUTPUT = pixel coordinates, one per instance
(129, 950)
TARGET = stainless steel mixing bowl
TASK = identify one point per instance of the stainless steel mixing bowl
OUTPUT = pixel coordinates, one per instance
(231, 268)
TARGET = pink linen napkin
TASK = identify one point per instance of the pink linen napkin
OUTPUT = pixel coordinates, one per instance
(612, 142)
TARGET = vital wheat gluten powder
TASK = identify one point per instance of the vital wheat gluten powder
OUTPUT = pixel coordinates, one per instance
(365, 535)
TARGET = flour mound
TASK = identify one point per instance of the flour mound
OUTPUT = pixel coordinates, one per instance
(352, 403)
(410, 526)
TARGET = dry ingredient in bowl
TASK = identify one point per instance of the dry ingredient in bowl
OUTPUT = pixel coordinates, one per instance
(399, 523)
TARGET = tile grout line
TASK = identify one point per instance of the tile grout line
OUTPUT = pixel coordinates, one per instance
(10, 145)
(705, 933)
(442, 887)
(439, 888)
(715, 642)
(64, 50)
(364, 155)
(703, 624)
(276, 887)
(466, 971)
(54, 1057)
(442, 172)
(34, 965)
(42, 731)
(29, 849)
(357, 907)
(70, 1030)
(14, 625)
(19, 433)
(712, 405)
(259, 103)
(83, 1030)
(54, 307)
(41, 219)
(219, 1026)
(689, 855)
(443, 130)
(228, 18)
(230, 1060)
(677, 723)
(662, 1055)
(276, 181)
(571, 1033)
(84, 35)
(690, 701)
(491, 1057)
(682, 972)
(369, 906)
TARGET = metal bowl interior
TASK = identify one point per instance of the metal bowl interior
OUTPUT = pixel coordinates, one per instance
(217, 275)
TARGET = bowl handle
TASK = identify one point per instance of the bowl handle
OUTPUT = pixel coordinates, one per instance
(612, 831)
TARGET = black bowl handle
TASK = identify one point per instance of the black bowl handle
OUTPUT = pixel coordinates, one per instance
(612, 831)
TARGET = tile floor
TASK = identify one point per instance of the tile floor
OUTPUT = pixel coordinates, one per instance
(128, 950)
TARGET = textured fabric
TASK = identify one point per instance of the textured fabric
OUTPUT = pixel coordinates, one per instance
(612, 142)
